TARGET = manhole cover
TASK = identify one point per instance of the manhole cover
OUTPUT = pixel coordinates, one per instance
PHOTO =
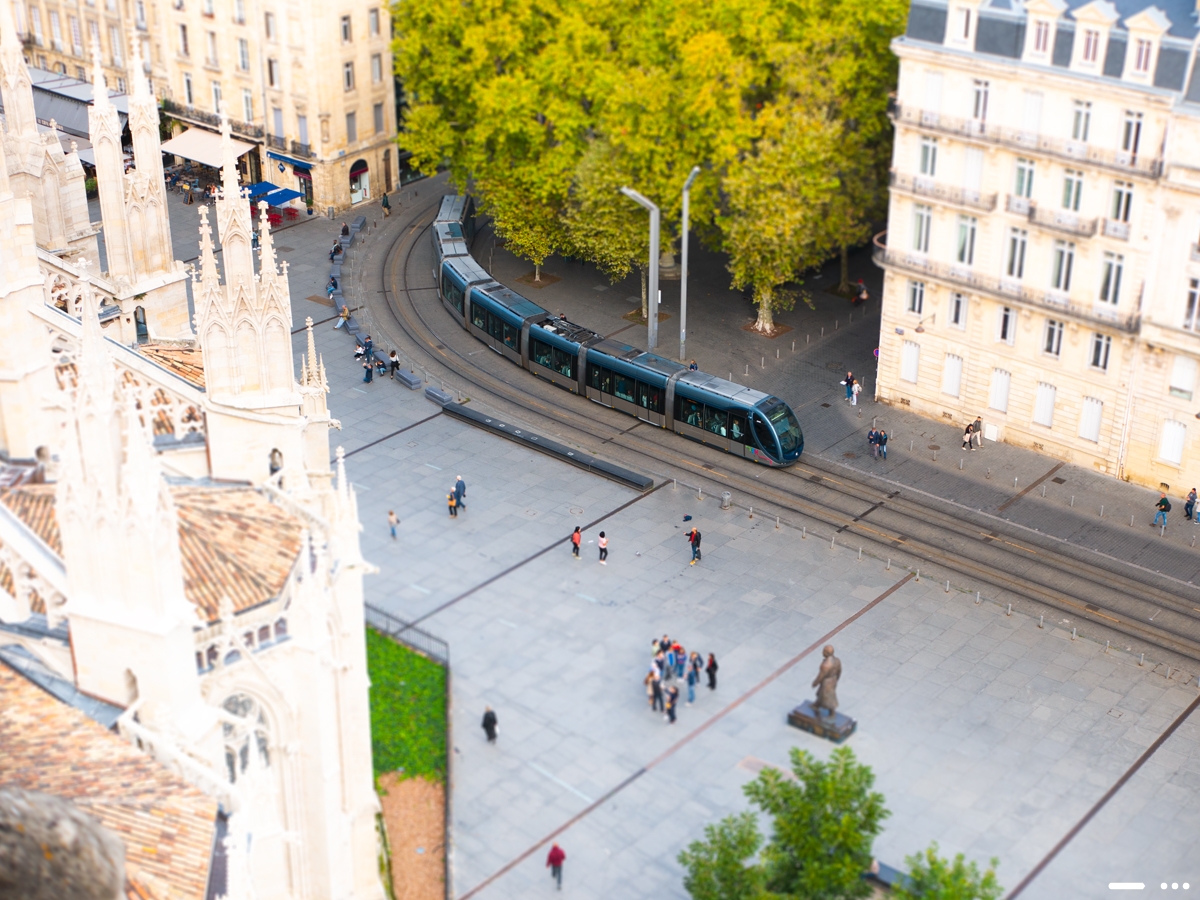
(576, 511)
(1059, 480)
(850, 455)
(412, 443)
(284, 249)
(934, 447)
(833, 366)
(531, 513)
(826, 405)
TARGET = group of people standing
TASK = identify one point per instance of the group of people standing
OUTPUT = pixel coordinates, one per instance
(853, 388)
(671, 663)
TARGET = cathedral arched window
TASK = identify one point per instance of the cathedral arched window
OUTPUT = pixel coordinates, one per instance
(245, 730)
(276, 461)
(280, 629)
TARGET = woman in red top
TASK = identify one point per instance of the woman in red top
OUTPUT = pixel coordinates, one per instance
(555, 861)
(576, 537)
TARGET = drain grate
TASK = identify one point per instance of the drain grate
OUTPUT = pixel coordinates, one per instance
(849, 455)
(1059, 480)
(1090, 608)
(826, 405)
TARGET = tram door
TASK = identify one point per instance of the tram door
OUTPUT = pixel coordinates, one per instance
(764, 437)
(740, 441)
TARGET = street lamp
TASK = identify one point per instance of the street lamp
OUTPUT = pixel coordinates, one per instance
(687, 187)
(652, 311)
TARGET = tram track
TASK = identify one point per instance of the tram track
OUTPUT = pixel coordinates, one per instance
(980, 548)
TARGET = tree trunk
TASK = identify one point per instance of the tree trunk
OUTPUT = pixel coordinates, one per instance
(766, 316)
(537, 271)
(645, 295)
(844, 285)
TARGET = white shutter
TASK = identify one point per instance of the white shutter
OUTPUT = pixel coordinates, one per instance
(973, 172)
(1183, 377)
(1173, 436)
(1043, 408)
(1089, 420)
(1031, 121)
(952, 375)
(909, 361)
(999, 394)
(933, 92)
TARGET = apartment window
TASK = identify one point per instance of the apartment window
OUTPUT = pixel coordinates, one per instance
(1101, 345)
(302, 128)
(378, 112)
(1122, 200)
(94, 34)
(269, 25)
(979, 110)
(114, 41)
(1072, 189)
(952, 375)
(1131, 131)
(210, 39)
(216, 97)
(55, 31)
(351, 127)
(345, 29)
(247, 105)
(1081, 120)
(1174, 437)
(1043, 405)
(1183, 377)
(1017, 241)
(183, 41)
(239, 12)
(1141, 58)
(958, 310)
(277, 122)
(964, 24)
(916, 297)
(1053, 342)
(121, 85)
(188, 97)
(1110, 278)
(376, 68)
(1064, 262)
(1191, 317)
(910, 361)
(81, 73)
(76, 35)
(35, 20)
(348, 76)
(207, 7)
(140, 12)
(922, 220)
(966, 239)
(243, 54)
(998, 394)
(1091, 45)
(1007, 330)
(273, 73)
(1090, 418)
(929, 148)
(1041, 36)
(373, 22)
(1024, 185)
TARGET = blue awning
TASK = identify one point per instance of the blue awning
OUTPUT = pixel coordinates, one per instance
(281, 196)
(292, 161)
(261, 189)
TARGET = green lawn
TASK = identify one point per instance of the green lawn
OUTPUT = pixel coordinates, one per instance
(408, 710)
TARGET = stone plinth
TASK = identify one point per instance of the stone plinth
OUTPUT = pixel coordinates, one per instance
(836, 727)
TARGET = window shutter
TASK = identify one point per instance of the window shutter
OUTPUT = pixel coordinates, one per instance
(909, 361)
(999, 394)
(952, 375)
(1173, 436)
(1089, 420)
(1043, 409)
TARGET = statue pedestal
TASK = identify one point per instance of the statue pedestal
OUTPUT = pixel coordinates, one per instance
(836, 727)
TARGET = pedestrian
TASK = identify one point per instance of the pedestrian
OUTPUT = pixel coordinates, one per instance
(343, 317)
(392, 523)
(849, 383)
(664, 643)
(692, 678)
(576, 539)
(693, 537)
(680, 659)
(331, 287)
(1190, 506)
(334, 250)
(1163, 506)
(656, 694)
(711, 669)
(393, 363)
(968, 437)
(692, 367)
(555, 860)
(873, 440)
(386, 204)
(863, 296)
(672, 700)
(370, 373)
(854, 392)
(977, 428)
(460, 492)
(697, 665)
(603, 542)
(883, 436)
(648, 681)
(491, 725)
(369, 349)
(452, 505)
(345, 230)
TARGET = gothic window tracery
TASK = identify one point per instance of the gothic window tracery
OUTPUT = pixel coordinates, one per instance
(249, 731)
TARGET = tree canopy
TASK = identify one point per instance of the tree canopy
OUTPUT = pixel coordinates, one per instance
(542, 107)
(930, 877)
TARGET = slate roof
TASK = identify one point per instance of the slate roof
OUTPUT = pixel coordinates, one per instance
(167, 825)
(186, 362)
(233, 541)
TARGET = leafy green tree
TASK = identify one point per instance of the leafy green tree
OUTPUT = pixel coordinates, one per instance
(720, 867)
(930, 877)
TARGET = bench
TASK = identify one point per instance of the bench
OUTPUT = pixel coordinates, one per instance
(358, 224)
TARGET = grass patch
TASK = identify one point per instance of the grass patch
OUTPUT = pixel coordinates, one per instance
(408, 710)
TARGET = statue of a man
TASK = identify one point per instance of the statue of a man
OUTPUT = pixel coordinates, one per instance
(826, 681)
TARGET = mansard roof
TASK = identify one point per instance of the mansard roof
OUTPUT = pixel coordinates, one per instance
(166, 825)
(234, 542)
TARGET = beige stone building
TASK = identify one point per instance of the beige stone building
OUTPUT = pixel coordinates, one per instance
(308, 86)
(1041, 260)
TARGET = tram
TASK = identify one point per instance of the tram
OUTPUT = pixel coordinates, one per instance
(659, 391)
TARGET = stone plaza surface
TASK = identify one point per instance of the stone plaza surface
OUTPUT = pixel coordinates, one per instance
(987, 734)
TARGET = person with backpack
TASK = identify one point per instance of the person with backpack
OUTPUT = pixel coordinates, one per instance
(693, 537)
(1163, 506)
(576, 538)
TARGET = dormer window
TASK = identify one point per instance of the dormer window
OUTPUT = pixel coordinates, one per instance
(1142, 53)
(1091, 45)
(964, 22)
(1041, 36)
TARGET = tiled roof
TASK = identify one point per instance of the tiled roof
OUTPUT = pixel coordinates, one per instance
(167, 825)
(234, 542)
(186, 362)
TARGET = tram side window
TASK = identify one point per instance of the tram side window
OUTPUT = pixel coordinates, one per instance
(478, 316)
(600, 379)
(495, 326)
(512, 337)
(737, 427)
(564, 363)
(452, 292)
(689, 411)
(624, 387)
(716, 421)
(764, 434)
(649, 397)
(541, 353)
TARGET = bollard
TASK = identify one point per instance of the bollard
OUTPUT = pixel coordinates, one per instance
(726, 497)
(889, 566)
(977, 598)
(1142, 661)
(832, 538)
(752, 512)
(910, 446)
(822, 331)
(835, 324)
(777, 353)
(1168, 673)
(763, 363)
(804, 533)
(1102, 510)
(1072, 501)
(1009, 611)
(860, 554)
(777, 523)
(731, 376)
(918, 576)
(874, 420)
(947, 585)
(1131, 521)
(674, 484)
(1107, 644)
(960, 462)
(1043, 490)
(1162, 529)
(808, 338)
(747, 368)
(1014, 484)
(935, 456)
(1041, 621)
(1193, 540)
(1072, 634)
(699, 493)
(793, 346)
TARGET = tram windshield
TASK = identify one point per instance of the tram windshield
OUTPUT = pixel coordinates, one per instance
(784, 422)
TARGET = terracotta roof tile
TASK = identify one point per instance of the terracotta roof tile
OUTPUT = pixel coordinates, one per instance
(186, 362)
(167, 825)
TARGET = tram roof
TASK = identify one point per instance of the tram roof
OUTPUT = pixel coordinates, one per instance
(722, 388)
(468, 269)
(452, 208)
(511, 300)
(567, 329)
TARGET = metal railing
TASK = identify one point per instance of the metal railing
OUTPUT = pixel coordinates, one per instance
(276, 143)
(1070, 151)
(302, 150)
(408, 634)
(1060, 220)
(1114, 229)
(190, 113)
(927, 187)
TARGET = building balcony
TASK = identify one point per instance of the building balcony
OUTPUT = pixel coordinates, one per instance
(954, 196)
(1026, 141)
(1019, 205)
(200, 117)
(277, 143)
(1114, 229)
(1001, 289)
(304, 151)
(1061, 220)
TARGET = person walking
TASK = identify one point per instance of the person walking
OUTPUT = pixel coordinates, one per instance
(386, 204)
(968, 437)
(491, 725)
(576, 539)
(849, 383)
(555, 860)
(883, 436)
(392, 523)
(460, 492)
(370, 371)
(692, 677)
(672, 701)
(602, 541)
(1190, 506)
(711, 669)
(977, 431)
(1163, 506)
(393, 363)
(873, 441)
(693, 537)
(453, 506)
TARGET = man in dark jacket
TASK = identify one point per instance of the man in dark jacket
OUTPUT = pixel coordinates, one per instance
(1163, 506)
(460, 491)
(489, 724)
(694, 540)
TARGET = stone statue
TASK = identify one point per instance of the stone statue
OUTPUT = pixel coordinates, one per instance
(826, 682)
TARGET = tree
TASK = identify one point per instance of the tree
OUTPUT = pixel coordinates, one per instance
(932, 878)
(719, 867)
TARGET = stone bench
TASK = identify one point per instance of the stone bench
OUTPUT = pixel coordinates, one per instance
(358, 225)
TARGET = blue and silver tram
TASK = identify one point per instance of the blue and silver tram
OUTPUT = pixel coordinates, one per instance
(713, 411)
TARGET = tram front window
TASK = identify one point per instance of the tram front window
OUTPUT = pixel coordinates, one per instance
(786, 426)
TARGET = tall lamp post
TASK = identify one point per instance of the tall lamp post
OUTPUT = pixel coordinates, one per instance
(687, 187)
(652, 313)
